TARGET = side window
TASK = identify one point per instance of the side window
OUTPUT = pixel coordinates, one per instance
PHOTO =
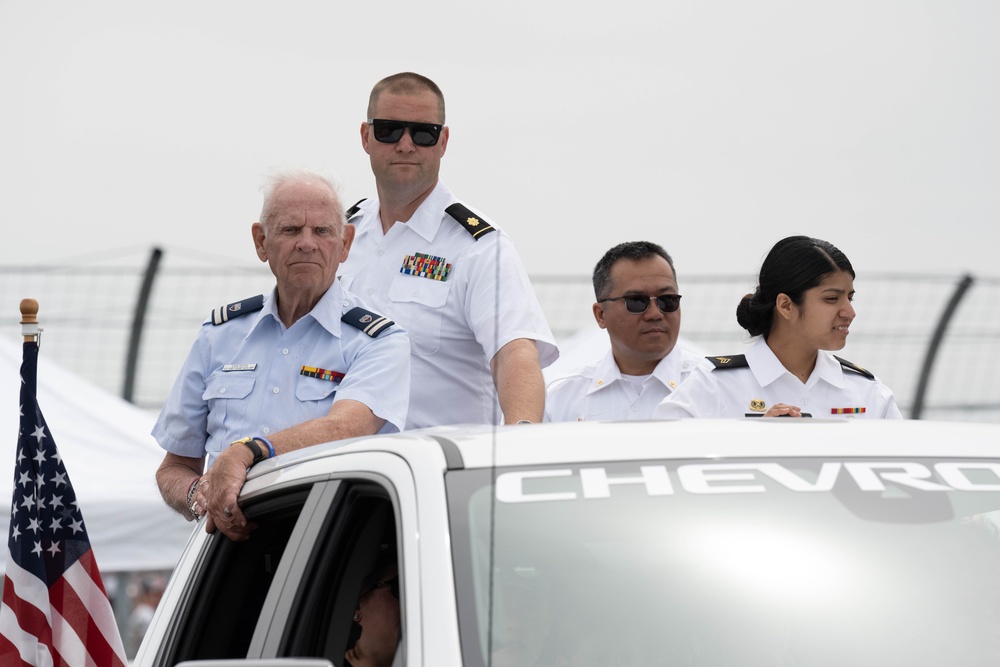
(354, 562)
(226, 600)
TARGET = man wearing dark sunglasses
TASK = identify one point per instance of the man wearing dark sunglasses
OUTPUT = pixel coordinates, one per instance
(639, 305)
(455, 282)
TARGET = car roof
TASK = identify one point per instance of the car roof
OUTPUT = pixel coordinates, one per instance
(483, 446)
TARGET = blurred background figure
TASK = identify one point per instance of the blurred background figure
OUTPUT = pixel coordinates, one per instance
(148, 591)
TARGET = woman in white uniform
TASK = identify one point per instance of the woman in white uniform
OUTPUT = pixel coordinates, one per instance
(801, 309)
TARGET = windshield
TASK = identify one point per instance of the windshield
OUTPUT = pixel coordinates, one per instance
(781, 562)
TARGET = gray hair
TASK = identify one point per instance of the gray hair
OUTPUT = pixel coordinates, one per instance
(279, 177)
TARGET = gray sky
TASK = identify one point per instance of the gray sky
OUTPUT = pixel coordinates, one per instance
(714, 128)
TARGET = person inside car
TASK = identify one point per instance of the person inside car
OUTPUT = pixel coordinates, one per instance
(377, 617)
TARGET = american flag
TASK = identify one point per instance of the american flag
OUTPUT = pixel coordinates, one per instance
(55, 609)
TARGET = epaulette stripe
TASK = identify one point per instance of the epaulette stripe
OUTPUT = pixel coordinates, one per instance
(469, 220)
(851, 366)
(223, 314)
(376, 327)
(731, 361)
(351, 212)
(368, 322)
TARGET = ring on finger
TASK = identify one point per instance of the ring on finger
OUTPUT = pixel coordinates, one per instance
(228, 512)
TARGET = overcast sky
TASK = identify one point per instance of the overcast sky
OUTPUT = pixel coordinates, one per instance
(714, 128)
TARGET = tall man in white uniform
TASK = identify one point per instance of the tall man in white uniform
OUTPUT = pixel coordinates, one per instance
(454, 281)
(638, 304)
(306, 364)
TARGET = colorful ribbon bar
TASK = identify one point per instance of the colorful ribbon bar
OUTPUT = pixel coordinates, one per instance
(426, 266)
(321, 373)
(847, 411)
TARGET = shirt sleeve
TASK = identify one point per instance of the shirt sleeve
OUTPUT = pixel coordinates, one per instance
(502, 305)
(182, 427)
(379, 377)
(887, 401)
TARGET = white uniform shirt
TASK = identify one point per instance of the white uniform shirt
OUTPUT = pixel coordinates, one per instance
(456, 323)
(244, 377)
(599, 392)
(830, 391)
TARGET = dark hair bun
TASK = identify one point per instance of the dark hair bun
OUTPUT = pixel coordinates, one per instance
(754, 316)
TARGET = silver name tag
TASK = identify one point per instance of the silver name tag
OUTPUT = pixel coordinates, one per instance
(239, 367)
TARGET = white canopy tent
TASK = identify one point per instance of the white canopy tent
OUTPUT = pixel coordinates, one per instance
(111, 460)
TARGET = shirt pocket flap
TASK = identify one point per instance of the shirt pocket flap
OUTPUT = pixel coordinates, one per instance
(226, 385)
(426, 292)
(314, 389)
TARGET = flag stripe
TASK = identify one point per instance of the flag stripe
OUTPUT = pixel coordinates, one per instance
(77, 602)
(29, 590)
(72, 651)
(29, 629)
(11, 655)
(81, 577)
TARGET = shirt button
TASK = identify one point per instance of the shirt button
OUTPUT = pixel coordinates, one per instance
(266, 429)
(379, 252)
(275, 390)
(222, 390)
(285, 351)
(805, 401)
(634, 408)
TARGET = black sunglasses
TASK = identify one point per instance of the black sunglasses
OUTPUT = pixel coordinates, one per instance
(637, 303)
(391, 584)
(391, 131)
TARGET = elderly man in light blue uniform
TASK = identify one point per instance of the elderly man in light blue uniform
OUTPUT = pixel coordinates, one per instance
(307, 364)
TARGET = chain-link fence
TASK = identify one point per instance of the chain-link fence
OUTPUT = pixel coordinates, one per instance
(934, 339)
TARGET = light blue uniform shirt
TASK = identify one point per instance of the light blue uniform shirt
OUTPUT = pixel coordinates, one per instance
(244, 377)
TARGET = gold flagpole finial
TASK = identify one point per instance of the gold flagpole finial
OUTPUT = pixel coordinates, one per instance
(29, 320)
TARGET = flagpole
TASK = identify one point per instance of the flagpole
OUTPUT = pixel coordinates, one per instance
(29, 320)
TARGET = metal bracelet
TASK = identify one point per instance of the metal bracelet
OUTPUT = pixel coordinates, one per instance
(190, 496)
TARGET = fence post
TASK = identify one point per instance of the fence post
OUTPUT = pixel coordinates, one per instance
(138, 320)
(935, 343)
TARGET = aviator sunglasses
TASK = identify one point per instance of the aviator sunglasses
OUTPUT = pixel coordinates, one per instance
(391, 131)
(637, 303)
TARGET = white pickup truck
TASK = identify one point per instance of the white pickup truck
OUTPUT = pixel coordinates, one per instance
(812, 543)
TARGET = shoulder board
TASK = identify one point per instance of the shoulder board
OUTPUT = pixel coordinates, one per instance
(468, 219)
(223, 314)
(733, 361)
(353, 211)
(854, 367)
(371, 323)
